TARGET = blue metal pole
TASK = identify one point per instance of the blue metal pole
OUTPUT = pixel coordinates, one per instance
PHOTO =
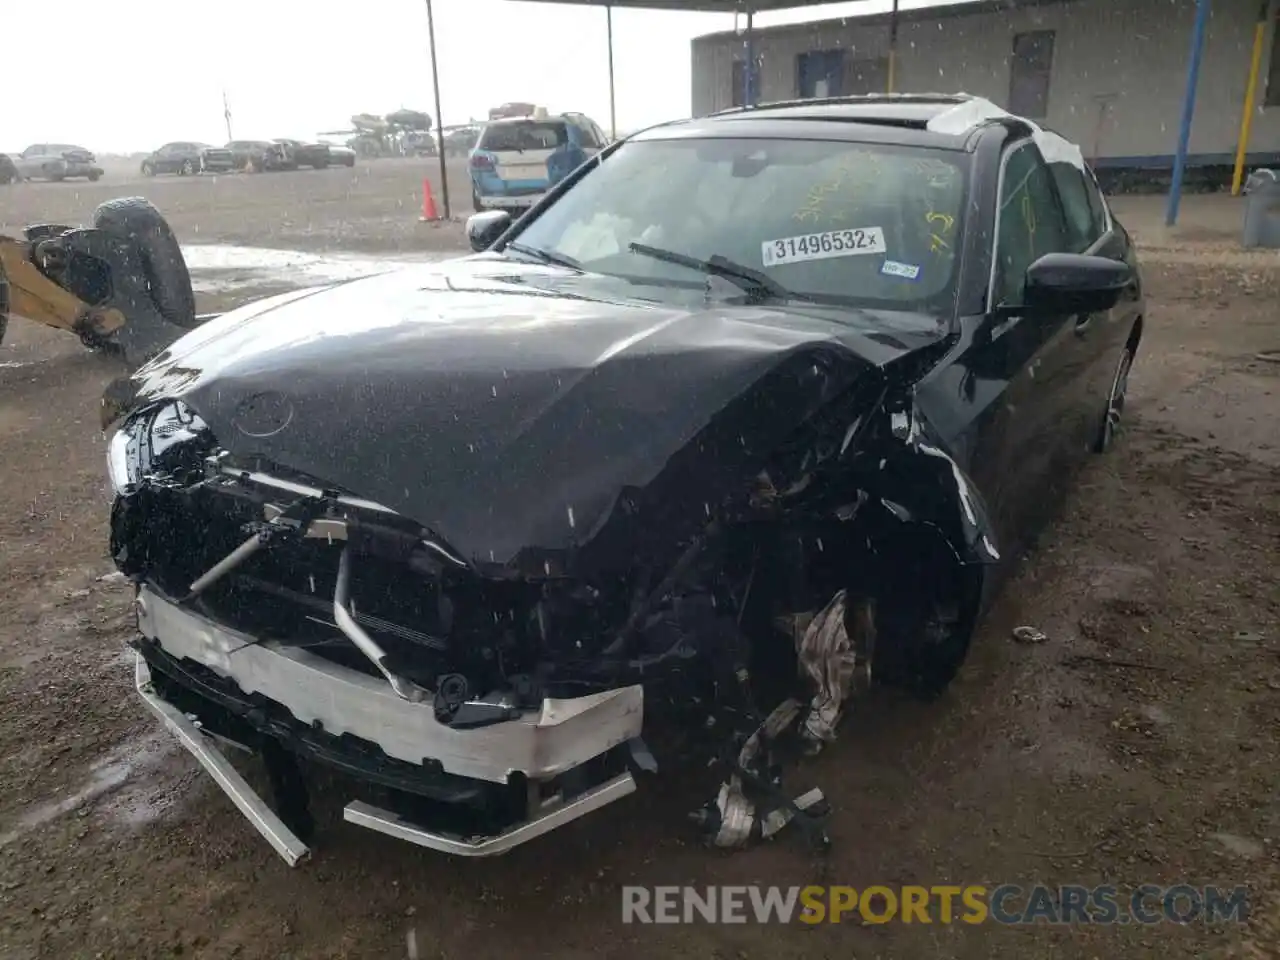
(1188, 110)
(749, 95)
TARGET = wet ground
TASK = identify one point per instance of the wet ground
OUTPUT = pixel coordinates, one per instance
(1138, 744)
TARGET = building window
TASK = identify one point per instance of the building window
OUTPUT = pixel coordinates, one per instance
(820, 73)
(1029, 70)
(1273, 71)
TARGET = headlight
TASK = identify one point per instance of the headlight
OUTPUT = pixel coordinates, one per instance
(118, 460)
(166, 441)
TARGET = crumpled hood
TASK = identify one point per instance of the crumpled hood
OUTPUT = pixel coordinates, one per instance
(499, 413)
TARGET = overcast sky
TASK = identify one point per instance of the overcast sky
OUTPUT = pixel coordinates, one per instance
(120, 75)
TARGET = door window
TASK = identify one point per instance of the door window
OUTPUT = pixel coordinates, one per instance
(1030, 222)
(586, 135)
(1083, 227)
(1097, 205)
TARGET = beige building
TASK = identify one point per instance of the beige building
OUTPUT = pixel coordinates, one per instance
(1108, 74)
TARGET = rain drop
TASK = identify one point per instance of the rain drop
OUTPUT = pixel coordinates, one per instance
(571, 520)
(495, 389)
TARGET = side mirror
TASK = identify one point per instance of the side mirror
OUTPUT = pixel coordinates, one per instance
(1076, 283)
(484, 228)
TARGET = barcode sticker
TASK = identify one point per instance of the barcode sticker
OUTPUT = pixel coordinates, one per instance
(854, 242)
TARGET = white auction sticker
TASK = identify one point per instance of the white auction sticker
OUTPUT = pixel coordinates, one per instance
(907, 271)
(823, 246)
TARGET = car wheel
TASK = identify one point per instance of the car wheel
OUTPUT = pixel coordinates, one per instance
(93, 177)
(137, 221)
(148, 170)
(475, 201)
(188, 168)
(1114, 411)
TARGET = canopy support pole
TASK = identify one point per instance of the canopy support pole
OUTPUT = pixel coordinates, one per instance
(435, 82)
(749, 95)
(1188, 110)
(613, 108)
(893, 48)
(1251, 90)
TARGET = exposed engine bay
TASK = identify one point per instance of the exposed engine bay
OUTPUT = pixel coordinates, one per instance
(494, 701)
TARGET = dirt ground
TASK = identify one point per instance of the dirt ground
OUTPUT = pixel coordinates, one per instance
(373, 206)
(1137, 745)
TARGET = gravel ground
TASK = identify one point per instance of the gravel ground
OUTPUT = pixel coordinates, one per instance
(1138, 744)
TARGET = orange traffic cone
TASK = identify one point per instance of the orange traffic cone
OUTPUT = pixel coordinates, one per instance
(428, 203)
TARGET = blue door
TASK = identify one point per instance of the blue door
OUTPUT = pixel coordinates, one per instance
(820, 73)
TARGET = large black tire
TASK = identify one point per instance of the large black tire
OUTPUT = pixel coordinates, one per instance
(147, 169)
(93, 177)
(135, 219)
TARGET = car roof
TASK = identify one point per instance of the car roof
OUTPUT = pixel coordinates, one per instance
(549, 118)
(940, 121)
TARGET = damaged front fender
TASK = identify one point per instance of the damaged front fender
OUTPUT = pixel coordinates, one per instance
(920, 481)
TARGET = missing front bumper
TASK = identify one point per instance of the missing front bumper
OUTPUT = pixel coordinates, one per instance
(317, 709)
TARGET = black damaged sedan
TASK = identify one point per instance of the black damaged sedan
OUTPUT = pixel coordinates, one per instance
(748, 412)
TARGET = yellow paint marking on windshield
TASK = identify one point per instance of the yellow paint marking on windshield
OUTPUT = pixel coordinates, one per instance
(938, 234)
(1028, 215)
(815, 205)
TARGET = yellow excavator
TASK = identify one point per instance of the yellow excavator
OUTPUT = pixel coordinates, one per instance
(121, 285)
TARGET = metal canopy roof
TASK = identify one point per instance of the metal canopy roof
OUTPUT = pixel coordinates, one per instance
(695, 6)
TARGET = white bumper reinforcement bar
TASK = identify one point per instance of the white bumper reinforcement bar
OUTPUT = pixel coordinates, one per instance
(207, 754)
(560, 736)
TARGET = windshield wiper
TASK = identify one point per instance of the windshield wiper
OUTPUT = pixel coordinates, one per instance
(753, 281)
(546, 256)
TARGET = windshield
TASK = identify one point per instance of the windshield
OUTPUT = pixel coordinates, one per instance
(843, 222)
(523, 135)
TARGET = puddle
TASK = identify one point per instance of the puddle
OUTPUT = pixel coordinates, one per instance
(220, 267)
(134, 760)
(15, 364)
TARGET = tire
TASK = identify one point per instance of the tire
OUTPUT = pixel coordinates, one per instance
(475, 201)
(188, 168)
(93, 177)
(136, 220)
(147, 169)
(1113, 412)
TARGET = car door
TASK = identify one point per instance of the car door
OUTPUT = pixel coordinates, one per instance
(31, 162)
(165, 159)
(1108, 334)
(1099, 337)
(1035, 346)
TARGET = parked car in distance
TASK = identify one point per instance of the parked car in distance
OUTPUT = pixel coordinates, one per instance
(56, 161)
(517, 160)
(462, 141)
(420, 143)
(187, 158)
(263, 154)
(300, 153)
(343, 156)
